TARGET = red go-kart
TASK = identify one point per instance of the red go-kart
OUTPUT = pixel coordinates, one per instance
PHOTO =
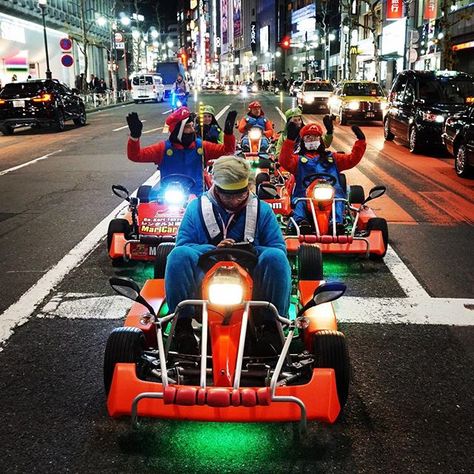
(362, 233)
(304, 377)
(151, 219)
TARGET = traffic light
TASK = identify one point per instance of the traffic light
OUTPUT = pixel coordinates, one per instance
(285, 42)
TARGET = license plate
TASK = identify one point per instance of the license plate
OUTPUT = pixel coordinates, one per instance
(370, 114)
(322, 106)
(18, 103)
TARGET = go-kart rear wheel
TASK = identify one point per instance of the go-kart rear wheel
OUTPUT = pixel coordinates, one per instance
(330, 351)
(379, 223)
(162, 253)
(310, 263)
(356, 194)
(125, 344)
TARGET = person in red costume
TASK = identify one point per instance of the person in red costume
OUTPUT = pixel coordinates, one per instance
(256, 118)
(183, 152)
(313, 158)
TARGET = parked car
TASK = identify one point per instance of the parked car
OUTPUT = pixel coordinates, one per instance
(314, 96)
(295, 88)
(357, 101)
(147, 87)
(41, 102)
(421, 101)
(458, 137)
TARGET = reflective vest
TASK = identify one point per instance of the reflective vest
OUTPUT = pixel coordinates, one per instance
(188, 161)
(307, 166)
(214, 231)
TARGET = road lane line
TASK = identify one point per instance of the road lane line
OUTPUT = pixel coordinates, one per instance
(153, 130)
(29, 162)
(125, 126)
(20, 311)
(222, 112)
(282, 115)
(167, 111)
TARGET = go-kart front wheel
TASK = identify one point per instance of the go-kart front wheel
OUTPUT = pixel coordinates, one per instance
(310, 263)
(330, 352)
(378, 223)
(126, 345)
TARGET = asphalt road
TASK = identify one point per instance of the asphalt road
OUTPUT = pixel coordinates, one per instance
(410, 404)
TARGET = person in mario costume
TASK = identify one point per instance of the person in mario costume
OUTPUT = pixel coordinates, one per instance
(313, 158)
(183, 152)
(256, 118)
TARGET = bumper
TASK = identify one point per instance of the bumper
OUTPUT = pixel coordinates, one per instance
(358, 115)
(316, 105)
(224, 404)
(25, 122)
(430, 133)
(133, 250)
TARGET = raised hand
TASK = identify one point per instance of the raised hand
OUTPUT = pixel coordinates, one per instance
(135, 125)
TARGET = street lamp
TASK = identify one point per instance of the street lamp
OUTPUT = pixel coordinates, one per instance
(330, 37)
(42, 4)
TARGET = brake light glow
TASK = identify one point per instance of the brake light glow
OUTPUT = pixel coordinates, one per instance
(2, 101)
(43, 98)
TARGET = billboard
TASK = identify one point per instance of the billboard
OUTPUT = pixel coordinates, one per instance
(237, 18)
(394, 9)
(224, 26)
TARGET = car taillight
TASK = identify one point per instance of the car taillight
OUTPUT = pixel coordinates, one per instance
(2, 101)
(154, 89)
(43, 98)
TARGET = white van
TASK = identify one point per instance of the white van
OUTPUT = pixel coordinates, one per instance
(147, 87)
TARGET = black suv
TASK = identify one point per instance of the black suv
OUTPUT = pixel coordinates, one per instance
(39, 102)
(420, 102)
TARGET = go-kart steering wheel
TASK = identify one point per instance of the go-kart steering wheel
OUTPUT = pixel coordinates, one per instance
(183, 179)
(307, 180)
(245, 258)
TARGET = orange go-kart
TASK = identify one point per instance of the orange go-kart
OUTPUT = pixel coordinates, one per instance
(362, 232)
(150, 222)
(304, 377)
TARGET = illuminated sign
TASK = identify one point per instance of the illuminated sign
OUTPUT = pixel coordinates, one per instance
(431, 9)
(394, 9)
(469, 44)
(253, 36)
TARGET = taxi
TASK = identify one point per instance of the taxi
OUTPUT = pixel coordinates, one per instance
(358, 101)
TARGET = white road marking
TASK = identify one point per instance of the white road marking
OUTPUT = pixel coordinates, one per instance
(445, 311)
(282, 115)
(125, 126)
(167, 111)
(19, 312)
(222, 112)
(29, 162)
(153, 130)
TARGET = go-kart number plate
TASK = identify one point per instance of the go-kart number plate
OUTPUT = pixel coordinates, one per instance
(18, 103)
(165, 225)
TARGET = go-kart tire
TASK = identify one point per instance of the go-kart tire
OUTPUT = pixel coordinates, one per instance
(261, 178)
(379, 223)
(117, 226)
(387, 134)
(162, 253)
(330, 352)
(143, 193)
(356, 194)
(124, 344)
(310, 263)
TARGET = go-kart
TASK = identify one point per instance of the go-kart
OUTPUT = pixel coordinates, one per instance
(179, 98)
(361, 232)
(301, 377)
(150, 222)
(255, 142)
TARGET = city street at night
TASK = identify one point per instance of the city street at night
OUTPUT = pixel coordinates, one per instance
(408, 319)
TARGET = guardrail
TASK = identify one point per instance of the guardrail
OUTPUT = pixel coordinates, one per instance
(95, 100)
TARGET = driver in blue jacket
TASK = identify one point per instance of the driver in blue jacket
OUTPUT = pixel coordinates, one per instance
(226, 214)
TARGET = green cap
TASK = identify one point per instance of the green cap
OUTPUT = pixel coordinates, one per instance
(293, 113)
(208, 109)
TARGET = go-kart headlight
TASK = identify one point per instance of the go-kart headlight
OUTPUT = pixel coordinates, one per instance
(225, 289)
(254, 88)
(255, 134)
(353, 105)
(174, 196)
(323, 192)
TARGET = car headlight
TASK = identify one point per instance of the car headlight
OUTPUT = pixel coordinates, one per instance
(323, 192)
(353, 105)
(254, 88)
(174, 196)
(225, 288)
(255, 134)
(429, 117)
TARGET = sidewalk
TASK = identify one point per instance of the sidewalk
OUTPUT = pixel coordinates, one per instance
(95, 102)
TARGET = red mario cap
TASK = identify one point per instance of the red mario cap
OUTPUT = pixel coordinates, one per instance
(311, 129)
(255, 104)
(174, 119)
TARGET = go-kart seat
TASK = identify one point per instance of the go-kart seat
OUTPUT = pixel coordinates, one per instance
(267, 190)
